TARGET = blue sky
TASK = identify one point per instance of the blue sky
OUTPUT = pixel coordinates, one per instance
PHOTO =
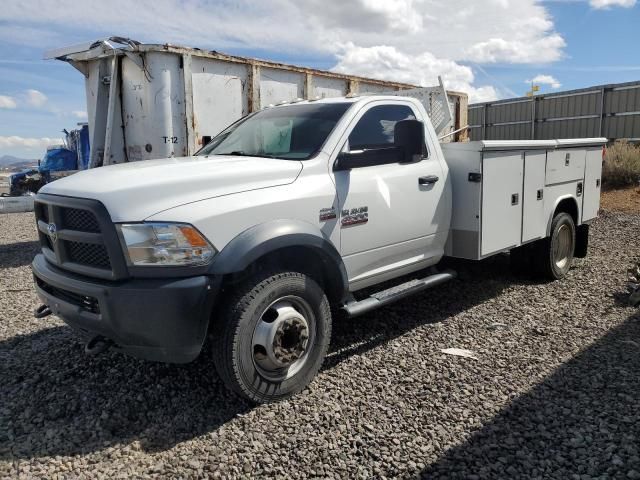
(488, 48)
(602, 48)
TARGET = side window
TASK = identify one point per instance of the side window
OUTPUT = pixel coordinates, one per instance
(375, 128)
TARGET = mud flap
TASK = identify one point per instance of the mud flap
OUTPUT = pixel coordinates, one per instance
(582, 241)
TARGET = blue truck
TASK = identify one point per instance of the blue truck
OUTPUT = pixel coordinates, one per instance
(58, 161)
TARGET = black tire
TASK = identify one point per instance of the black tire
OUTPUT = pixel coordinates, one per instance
(241, 364)
(556, 252)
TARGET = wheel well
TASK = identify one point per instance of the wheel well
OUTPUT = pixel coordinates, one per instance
(303, 259)
(568, 205)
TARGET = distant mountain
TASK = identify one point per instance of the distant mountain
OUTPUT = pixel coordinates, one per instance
(7, 160)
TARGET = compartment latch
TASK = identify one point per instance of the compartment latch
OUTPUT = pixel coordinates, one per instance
(475, 177)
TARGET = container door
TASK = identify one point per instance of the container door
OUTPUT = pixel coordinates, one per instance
(534, 224)
(153, 108)
(501, 201)
(565, 166)
(592, 181)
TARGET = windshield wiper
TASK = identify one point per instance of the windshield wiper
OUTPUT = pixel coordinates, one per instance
(238, 153)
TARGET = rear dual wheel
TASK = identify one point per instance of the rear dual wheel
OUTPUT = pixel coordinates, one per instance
(272, 337)
(558, 249)
(551, 257)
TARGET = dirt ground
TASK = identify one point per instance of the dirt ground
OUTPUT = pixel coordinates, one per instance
(623, 200)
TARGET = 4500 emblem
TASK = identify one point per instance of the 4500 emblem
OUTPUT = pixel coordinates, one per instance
(355, 216)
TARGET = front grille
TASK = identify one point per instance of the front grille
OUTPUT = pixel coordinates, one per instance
(47, 242)
(80, 220)
(42, 212)
(77, 234)
(88, 254)
(88, 303)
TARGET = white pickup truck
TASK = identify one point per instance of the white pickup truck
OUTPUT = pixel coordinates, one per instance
(257, 240)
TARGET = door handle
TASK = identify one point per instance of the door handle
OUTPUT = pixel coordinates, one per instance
(428, 180)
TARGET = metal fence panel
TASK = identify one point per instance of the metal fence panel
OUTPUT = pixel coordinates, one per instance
(517, 131)
(612, 111)
(577, 128)
(567, 106)
(627, 126)
(475, 115)
(475, 134)
(509, 112)
(622, 101)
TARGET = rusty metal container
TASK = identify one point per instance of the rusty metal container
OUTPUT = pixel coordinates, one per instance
(147, 101)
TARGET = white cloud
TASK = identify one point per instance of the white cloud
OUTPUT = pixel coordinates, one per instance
(605, 4)
(35, 98)
(32, 98)
(545, 49)
(430, 33)
(28, 143)
(487, 93)
(545, 80)
(7, 102)
(387, 63)
(79, 114)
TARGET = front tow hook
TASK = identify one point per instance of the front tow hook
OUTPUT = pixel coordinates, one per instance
(97, 345)
(42, 311)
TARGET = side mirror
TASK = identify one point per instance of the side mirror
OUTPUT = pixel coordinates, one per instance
(409, 138)
(408, 143)
(367, 158)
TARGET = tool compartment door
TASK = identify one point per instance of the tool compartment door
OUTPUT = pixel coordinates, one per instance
(592, 182)
(534, 223)
(502, 174)
(565, 165)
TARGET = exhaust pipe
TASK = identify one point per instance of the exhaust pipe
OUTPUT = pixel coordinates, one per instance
(97, 345)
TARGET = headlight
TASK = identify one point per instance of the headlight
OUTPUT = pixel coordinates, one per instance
(165, 245)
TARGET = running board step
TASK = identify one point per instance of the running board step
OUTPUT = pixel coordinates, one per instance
(385, 297)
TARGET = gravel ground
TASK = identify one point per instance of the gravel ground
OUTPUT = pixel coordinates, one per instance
(553, 392)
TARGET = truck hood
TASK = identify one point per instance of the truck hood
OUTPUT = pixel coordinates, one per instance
(135, 191)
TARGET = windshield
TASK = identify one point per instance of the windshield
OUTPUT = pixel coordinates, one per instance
(294, 132)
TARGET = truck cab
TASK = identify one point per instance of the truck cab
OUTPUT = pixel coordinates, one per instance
(260, 238)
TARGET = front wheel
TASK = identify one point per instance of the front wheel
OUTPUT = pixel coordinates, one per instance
(272, 337)
(557, 251)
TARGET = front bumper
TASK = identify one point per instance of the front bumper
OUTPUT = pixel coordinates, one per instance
(155, 319)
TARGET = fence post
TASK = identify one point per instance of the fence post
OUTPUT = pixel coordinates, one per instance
(533, 117)
(601, 111)
(484, 121)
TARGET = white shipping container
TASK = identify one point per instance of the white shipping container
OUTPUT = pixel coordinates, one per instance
(147, 101)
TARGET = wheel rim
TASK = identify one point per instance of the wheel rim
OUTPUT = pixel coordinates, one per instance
(563, 248)
(282, 338)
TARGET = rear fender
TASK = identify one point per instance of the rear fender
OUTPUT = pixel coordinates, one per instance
(555, 208)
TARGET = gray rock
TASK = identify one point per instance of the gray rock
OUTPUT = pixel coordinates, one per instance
(553, 395)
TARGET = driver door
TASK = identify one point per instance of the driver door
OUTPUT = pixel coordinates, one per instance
(389, 217)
